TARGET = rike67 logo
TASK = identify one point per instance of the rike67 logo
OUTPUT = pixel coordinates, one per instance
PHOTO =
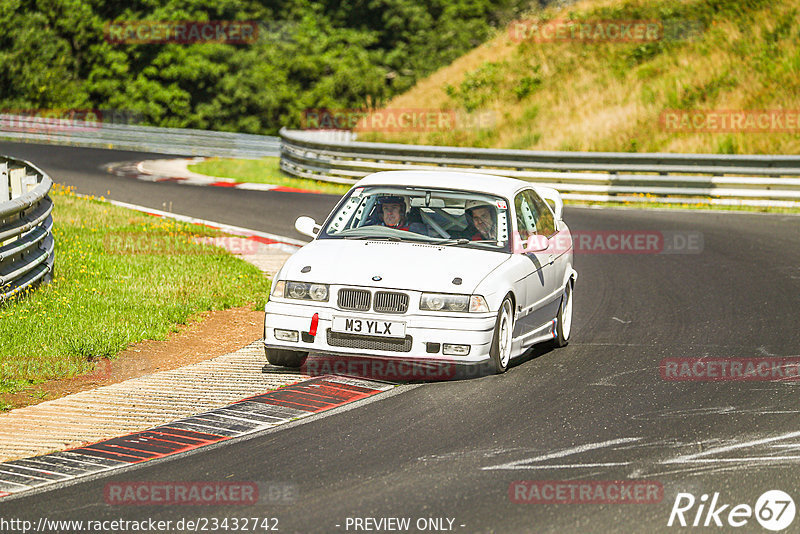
(774, 510)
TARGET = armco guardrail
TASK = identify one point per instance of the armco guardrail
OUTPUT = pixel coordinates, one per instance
(26, 226)
(602, 176)
(140, 138)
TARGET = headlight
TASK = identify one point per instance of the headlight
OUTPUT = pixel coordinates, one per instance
(444, 302)
(297, 291)
(318, 292)
(301, 291)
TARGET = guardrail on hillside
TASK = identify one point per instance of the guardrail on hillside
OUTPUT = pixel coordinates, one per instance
(760, 180)
(139, 138)
(26, 226)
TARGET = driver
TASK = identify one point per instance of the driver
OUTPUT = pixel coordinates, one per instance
(392, 211)
(483, 217)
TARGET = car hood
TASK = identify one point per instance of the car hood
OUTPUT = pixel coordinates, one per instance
(400, 265)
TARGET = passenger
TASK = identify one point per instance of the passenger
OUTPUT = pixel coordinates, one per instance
(483, 217)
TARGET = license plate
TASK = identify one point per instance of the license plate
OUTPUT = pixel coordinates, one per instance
(368, 327)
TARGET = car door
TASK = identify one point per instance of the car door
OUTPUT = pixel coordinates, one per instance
(542, 286)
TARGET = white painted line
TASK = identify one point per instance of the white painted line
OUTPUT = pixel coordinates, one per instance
(368, 384)
(679, 209)
(678, 200)
(40, 471)
(519, 464)
(256, 187)
(6, 484)
(90, 460)
(743, 460)
(197, 427)
(221, 416)
(176, 170)
(567, 466)
(213, 224)
(9, 472)
(689, 457)
(249, 421)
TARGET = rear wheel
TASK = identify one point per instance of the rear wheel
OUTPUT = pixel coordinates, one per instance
(564, 318)
(501, 342)
(286, 358)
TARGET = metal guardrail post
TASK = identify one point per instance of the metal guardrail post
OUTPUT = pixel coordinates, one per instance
(26, 227)
(5, 184)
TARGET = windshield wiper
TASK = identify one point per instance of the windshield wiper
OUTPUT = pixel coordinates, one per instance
(459, 241)
(376, 238)
(463, 241)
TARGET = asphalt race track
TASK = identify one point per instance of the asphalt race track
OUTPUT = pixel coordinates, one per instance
(267, 211)
(596, 410)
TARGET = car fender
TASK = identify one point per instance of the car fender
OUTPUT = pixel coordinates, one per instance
(495, 286)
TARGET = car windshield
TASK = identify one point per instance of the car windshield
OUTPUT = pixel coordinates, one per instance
(436, 216)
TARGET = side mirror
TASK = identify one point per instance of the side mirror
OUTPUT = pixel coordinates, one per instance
(537, 243)
(307, 226)
(534, 243)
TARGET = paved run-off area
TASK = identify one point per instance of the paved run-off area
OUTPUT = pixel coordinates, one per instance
(144, 402)
(139, 403)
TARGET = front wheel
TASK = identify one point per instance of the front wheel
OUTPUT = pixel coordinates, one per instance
(564, 318)
(501, 342)
(286, 358)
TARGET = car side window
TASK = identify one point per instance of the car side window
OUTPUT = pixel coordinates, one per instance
(543, 218)
(526, 222)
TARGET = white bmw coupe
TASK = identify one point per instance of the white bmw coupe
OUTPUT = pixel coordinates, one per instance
(436, 266)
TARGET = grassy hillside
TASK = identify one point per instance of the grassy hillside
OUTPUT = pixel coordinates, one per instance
(609, 96)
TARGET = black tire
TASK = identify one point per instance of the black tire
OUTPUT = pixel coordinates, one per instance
(564, 319)
(286, 358)
(500, 351)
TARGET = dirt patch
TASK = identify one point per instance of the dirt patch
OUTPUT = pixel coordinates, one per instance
(208, 335)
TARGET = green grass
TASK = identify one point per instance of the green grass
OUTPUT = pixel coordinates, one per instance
(120, 277)
(262, 171)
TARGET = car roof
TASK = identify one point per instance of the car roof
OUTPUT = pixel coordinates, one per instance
(470, 181)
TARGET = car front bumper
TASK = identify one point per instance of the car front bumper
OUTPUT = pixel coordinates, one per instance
(422, 329)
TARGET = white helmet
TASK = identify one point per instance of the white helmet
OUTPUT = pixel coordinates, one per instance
(470, 204)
